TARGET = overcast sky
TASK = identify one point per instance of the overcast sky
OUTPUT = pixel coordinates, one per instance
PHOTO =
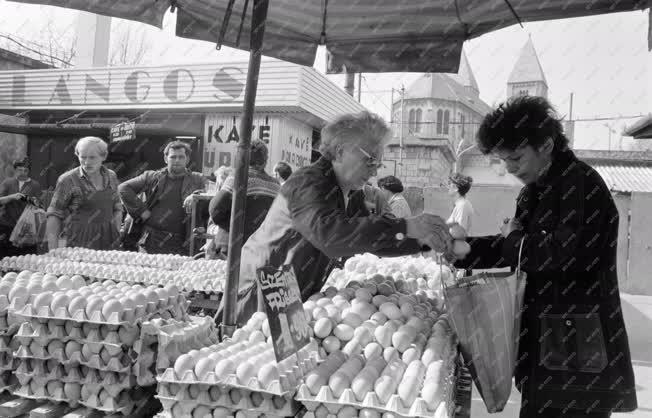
(603, 60)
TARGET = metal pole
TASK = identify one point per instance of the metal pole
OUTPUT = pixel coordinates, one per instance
(359, 87)
(236, 236)
(400, 144)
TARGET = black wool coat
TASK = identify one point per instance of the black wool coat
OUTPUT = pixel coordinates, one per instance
(574, 352)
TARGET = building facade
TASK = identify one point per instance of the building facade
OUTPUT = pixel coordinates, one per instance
(436, 121)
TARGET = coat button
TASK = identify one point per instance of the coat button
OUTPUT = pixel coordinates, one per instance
(568, 322)
(400, 236)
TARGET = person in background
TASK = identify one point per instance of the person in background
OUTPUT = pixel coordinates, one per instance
(86, 201)
(376, 201)
(574, 358)
(393, 190)
(14, 193)
(320, 216)
(261, 191)
(167, 194)
(458, 186)
(282, 171)
(220, 237)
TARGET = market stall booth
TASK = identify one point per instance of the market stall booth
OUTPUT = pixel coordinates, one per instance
(201, 104)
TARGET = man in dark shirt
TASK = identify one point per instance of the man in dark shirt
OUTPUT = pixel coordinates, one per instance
(14, 192)
(165, 219)
(261, 192)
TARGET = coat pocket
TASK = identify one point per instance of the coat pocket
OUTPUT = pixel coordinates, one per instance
(572, 342)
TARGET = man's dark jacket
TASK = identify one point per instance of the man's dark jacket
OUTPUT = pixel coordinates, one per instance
(574, 350)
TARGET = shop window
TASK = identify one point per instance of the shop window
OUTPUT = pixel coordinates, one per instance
(447, 115)
(440, 115)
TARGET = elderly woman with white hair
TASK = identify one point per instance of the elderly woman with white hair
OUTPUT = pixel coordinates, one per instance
(320, 218)
(86, 201)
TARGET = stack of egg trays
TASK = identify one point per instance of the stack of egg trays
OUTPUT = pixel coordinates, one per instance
(192, 334)
(8, 362)
(277, 399)
(121, 362)
(394, 406)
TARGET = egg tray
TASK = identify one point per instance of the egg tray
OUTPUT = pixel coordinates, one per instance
(286, 386)
(42, 394)
(167, 413)
(8, 382)
(266, 406)
(394, 405)
(95, 362)
(6, 335)
(43, 335)
(110, 382)
(176, 306)
(7, 362)
(112, 406)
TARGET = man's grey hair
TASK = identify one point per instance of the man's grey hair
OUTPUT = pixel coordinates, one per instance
(99, 144)
(364, 128)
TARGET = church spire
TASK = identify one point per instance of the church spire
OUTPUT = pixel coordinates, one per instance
(527, 76)
(465, 75)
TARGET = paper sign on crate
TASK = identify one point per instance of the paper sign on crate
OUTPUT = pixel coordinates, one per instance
(287, 321)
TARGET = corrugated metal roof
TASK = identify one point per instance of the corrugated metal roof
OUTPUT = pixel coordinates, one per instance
(636, 177)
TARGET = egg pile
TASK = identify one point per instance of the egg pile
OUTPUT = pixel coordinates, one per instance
(238, 374)
(159, 261)
(188, 280)
(205, 266)
(174, 338)
(82, 345)
(33, 262)
(381, 343)
(412, 272)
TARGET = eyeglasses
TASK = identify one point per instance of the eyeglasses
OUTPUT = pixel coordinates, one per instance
(371, 162)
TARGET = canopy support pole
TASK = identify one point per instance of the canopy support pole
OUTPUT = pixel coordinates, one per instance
(236, 236)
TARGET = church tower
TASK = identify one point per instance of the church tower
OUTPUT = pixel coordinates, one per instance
(527, 76)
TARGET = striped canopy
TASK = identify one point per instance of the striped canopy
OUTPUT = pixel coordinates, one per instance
(360, 35)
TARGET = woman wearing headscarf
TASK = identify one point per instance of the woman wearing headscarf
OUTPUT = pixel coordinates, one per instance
(85, 204)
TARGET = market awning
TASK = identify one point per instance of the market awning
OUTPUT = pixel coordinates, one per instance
(367, 36)
(642, 129)
(98, 129)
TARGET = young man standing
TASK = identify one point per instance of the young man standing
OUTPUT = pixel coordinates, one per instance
(164, 215)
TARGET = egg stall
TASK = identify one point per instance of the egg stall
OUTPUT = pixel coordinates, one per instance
(84, 318)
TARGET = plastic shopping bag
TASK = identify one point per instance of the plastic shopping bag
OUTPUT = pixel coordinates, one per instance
(485, 310)
(30, 228)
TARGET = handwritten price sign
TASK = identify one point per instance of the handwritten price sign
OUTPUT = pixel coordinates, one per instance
(287, 319)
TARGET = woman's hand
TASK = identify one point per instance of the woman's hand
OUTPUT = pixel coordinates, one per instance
(430, 230)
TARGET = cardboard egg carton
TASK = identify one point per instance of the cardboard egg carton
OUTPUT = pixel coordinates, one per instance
(7, 362)
(168, 413)
(120, 363)
(41, 393)
(95, 379)
(43, 334)
(283, 407)
(113, 405)
(8, 382)
(174, 305)
(395, 406)
(284, 386)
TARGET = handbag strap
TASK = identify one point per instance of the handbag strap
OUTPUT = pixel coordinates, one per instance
(520, 252)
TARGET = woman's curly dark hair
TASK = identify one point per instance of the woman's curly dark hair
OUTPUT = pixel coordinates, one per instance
(520, 121)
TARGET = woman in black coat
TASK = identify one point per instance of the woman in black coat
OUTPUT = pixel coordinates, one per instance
(574, 358)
